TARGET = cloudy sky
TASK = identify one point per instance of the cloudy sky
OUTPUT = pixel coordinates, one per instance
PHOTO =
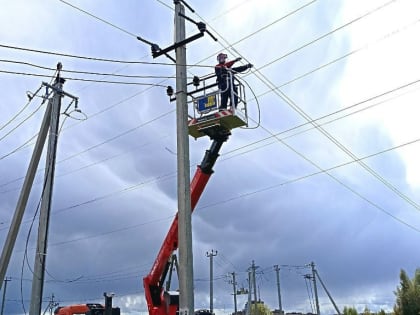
(327, 171)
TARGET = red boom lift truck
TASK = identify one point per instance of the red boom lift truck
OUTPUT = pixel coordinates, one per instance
(206, 120)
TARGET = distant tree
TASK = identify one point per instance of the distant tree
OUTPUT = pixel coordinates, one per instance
(381, 312)
(366, 311)
(260, 309)
(408, 295)
(349, 311)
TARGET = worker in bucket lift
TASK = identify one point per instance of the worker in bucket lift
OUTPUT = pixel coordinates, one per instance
(223, 80)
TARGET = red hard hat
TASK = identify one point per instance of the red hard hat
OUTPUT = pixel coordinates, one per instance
(221, 56)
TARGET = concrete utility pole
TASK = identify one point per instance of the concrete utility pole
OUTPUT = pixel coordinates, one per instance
(4, 294)
(186, 299)
(252, 269)
(328, 293)
(44, 215)
(315, 289)
(24, 194)
(234, 292)
(211, 255)
(277, 269)
(248, 310)
(254, 281)
(51, 305)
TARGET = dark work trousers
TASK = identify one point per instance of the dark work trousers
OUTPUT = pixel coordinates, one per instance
(227, 95)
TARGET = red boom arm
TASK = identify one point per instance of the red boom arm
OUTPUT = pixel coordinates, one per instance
(153, 282)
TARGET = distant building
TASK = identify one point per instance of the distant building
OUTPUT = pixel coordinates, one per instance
(277, 312)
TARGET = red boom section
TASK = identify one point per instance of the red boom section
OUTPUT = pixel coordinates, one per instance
(170, 244)
(153, 282)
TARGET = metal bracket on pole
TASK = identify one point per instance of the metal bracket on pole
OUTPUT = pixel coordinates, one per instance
(157, 51)
(60, 91)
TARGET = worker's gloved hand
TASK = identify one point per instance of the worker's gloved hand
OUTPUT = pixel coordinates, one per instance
(250, 65)
(238, 59)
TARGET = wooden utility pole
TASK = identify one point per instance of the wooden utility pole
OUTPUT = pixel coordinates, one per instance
(186, 299)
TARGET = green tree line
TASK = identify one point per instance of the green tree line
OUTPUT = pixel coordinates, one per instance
(407, 297)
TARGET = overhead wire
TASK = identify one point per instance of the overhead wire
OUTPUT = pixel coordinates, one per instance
(30, 98)
(100, 19)
(370, 12)
(333, 113)
(263, 189)
(310, 294)
(78, 56)
(320, 118)
(108, 108)
(131, 62)
(82, 79)
(118, 82)
(288, 101)
(20, 147)
(294, 106)
(87, 72)
(21, 123)
(288, 14)
(385, 37)
(81, 167)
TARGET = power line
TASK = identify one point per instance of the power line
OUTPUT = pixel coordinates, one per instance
(294, 106)
(288, 182)
(327, 34)
(336, 112)
(31, 97)
(273, 23)
(100, 19)
(330, 114)
(385, 37)
(21, 123)
(80, 57)
(92, 58)
(88, 72)
(321, 171)
(84, 80)
(253, 33)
